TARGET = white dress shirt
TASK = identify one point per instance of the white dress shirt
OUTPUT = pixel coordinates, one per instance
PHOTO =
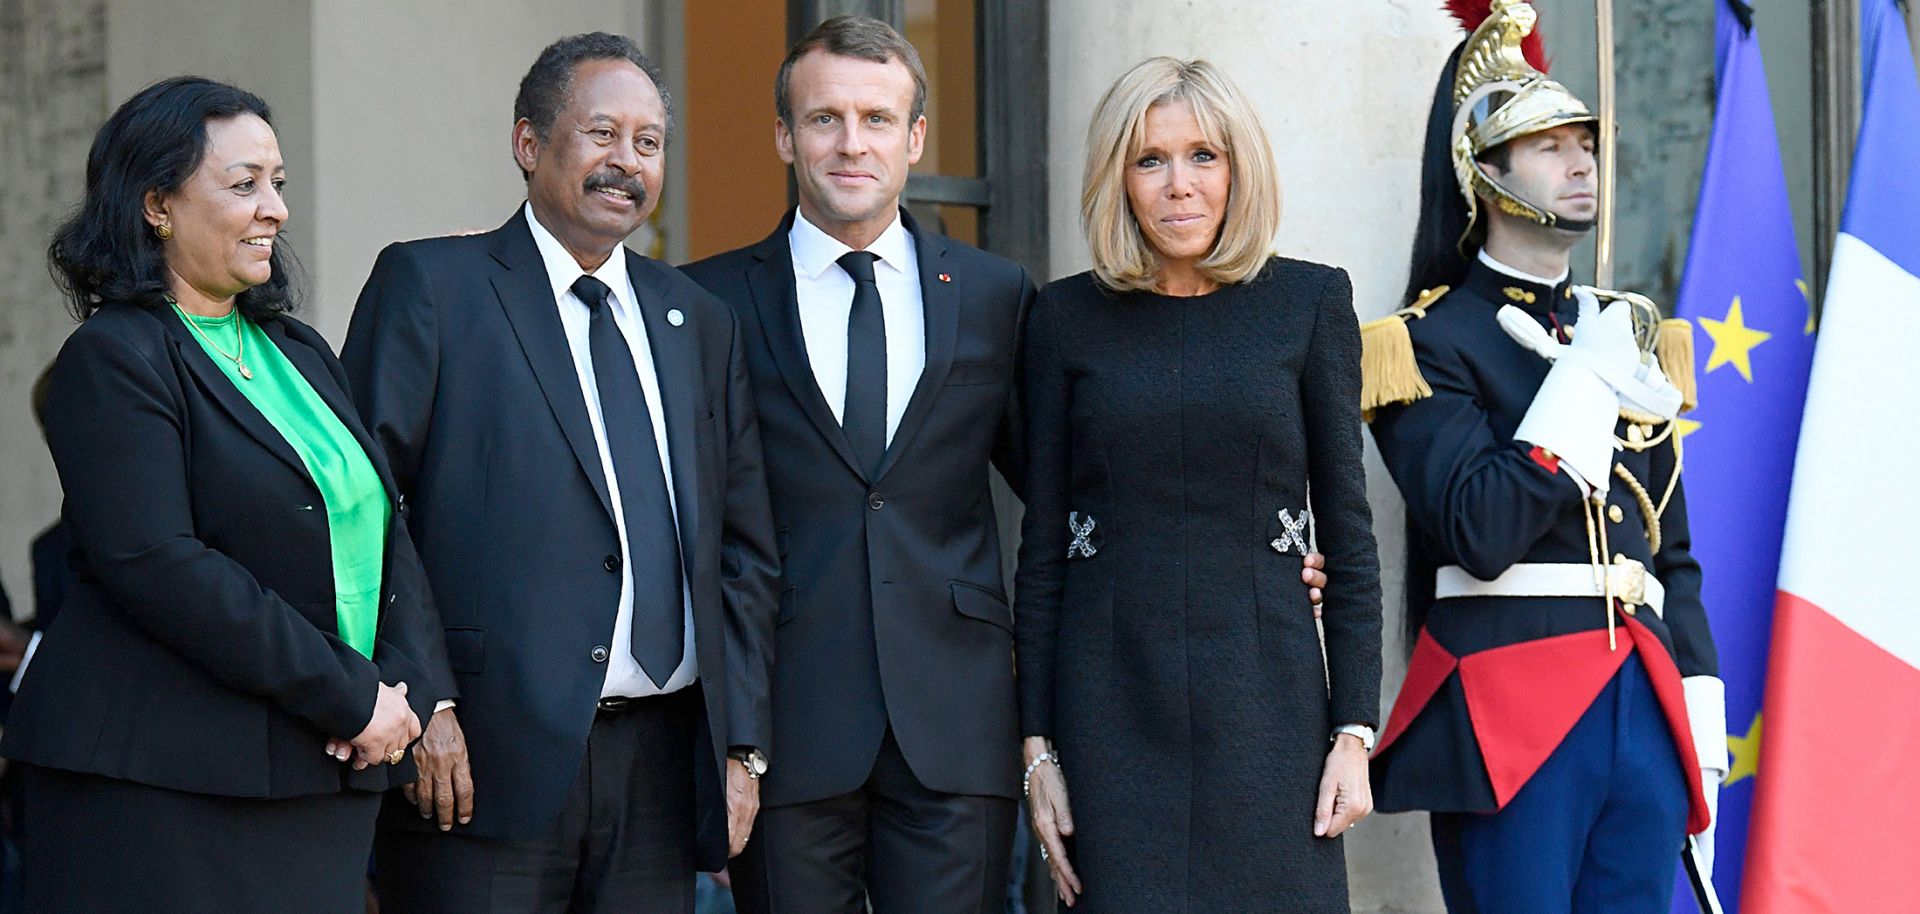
(624, 675)
(826, 300)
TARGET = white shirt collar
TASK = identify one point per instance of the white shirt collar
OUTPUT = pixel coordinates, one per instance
(814, 250)
(562, 269)
(1522, 275)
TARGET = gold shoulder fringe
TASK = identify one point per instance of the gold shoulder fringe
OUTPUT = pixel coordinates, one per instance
(1675, 350)
(1389, 373)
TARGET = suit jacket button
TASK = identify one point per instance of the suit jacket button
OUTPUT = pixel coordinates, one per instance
(876, 502)
(612, 564)
(599, 654)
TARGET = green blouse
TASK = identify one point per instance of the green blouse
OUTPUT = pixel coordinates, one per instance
(356, 502)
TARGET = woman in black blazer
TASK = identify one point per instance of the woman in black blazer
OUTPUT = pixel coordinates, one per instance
(1182, 398)
(248, 647)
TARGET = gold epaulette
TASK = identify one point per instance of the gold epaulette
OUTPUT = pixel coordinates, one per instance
(1675, 351)
(1388, 372)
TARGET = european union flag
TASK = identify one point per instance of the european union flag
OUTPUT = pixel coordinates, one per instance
(1753, 320)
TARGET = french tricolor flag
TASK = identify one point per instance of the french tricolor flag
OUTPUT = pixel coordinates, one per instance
(1836, 820)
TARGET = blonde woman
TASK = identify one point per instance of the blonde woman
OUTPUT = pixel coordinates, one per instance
(1184, 397)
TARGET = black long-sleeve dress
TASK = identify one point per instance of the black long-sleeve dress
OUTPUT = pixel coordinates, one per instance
(1165, 640)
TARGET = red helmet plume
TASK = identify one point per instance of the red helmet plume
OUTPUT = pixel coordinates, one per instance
(1471, 13)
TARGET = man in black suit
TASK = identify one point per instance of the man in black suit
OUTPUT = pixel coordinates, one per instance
(572, 426)
(884, 360)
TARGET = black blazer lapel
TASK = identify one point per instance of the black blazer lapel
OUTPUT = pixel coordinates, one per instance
(220, 387)
(939, 300)
(778, 305)
(527, 297)
(676, 367)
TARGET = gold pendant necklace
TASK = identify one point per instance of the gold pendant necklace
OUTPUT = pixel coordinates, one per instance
(237, 357)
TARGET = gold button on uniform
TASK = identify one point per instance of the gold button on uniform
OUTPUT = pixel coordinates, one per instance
(1615, 514)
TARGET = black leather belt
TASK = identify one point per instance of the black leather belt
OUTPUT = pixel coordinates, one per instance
(620, 704)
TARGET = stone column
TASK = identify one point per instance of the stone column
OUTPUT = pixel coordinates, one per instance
(52, 98)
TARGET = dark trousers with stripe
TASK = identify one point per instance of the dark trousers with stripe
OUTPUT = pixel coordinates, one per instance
(1597, 830)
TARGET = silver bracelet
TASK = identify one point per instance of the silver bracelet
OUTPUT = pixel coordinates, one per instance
(1026, 779)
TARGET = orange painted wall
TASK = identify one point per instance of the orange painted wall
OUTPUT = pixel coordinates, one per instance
(736, 185)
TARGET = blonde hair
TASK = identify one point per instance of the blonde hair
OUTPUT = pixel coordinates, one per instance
(1122, 257)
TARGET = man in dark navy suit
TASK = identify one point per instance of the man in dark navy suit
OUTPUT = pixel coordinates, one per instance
(883, 358)
(571, 425)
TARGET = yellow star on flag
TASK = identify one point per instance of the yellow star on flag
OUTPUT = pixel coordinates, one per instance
(1684, 427)
(1812, 322)
(1733, 341)
(1746, 754)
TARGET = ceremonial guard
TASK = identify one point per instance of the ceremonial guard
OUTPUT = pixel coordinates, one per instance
(1561, 718)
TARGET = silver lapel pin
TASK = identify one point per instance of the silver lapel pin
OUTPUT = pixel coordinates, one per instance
(675, 318)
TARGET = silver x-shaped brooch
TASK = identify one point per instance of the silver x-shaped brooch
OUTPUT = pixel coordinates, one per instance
(1082, 546)
(1293, 533)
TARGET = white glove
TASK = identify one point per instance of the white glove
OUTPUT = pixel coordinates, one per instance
(1605, 345)
(1573, 415)
(1703, 842)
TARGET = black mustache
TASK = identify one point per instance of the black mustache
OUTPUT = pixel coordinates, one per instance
(617, 181)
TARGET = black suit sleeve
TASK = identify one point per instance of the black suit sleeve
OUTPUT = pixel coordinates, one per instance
(115, 429)
(1674, 565)
(749, 563)
(1040, 584)
(1483, 499)
(391, 363)
(1336, 476)
(412, 647)
(392, 359)
(1010, 446)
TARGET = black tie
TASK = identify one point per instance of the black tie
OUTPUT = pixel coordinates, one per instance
(864, 416)
(653, 545)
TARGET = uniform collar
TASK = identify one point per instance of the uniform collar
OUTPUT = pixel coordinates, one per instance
(814, 250)
(563, 270)
(1502, 284)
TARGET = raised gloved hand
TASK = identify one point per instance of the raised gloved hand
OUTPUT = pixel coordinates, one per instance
(1703, 842)
(1603, 344)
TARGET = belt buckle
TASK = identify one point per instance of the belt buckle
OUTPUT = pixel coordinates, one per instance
(1629, 580)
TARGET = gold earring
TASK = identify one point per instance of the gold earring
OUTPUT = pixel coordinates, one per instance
(163, 231)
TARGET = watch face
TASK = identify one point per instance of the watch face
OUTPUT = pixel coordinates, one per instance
(755, 761)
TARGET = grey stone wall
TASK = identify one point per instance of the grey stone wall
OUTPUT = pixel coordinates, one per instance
(52, 98)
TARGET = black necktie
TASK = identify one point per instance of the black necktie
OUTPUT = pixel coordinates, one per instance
(653, 545)
(864, 416)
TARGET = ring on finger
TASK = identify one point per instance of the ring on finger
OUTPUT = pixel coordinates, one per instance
(396, 756)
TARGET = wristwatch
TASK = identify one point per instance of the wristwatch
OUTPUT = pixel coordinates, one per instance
(754, 760)
(1362, 732)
